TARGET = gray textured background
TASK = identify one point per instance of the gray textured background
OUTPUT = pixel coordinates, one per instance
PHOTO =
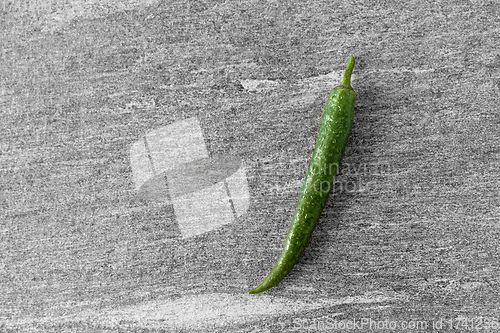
(413, 237)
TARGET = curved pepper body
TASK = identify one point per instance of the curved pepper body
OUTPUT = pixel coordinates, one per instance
(333, 136)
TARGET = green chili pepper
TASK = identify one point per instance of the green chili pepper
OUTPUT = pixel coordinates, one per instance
(334, 133)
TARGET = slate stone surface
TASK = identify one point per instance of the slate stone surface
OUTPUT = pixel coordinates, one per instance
(408, 240)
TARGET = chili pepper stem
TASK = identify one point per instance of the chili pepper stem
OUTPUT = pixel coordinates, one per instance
(346, 80)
